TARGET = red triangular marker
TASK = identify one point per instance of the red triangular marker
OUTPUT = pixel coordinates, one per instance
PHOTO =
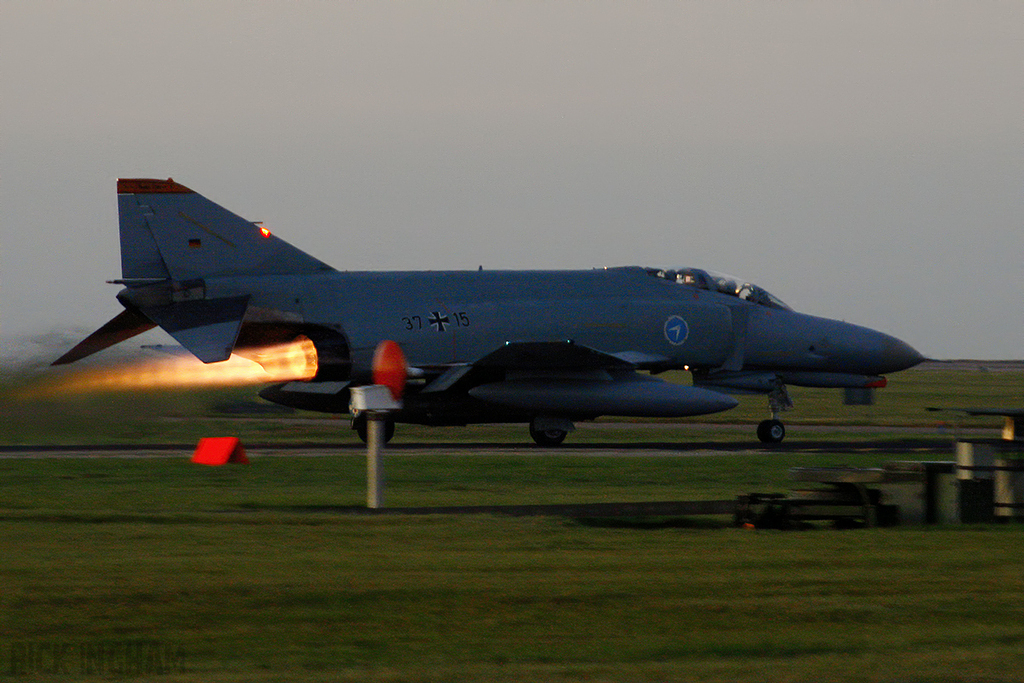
(219, 450)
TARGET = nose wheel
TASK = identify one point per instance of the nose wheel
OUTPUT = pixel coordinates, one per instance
(771, 431)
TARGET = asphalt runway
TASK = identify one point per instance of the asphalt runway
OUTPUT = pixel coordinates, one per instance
(906, 446)
(600, 441)
(907, 443)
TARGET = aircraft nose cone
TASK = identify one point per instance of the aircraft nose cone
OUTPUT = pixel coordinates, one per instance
(862, 350)
(901, 355)
(889, 354)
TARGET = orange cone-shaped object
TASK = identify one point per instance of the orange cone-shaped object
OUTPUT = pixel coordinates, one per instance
(219, 450)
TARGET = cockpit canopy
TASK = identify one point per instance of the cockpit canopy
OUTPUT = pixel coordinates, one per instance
(722, 283)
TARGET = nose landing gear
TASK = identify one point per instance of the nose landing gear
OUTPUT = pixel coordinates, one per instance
(772, 430)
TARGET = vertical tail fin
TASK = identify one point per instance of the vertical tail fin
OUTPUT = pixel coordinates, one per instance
(170, 232)
(172, 240)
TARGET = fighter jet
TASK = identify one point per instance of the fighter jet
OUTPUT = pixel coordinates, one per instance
(546, 348)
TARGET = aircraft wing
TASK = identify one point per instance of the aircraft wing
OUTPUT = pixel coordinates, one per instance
(561, 378)
(1002, 412)
(1013, 418)
(550, 355)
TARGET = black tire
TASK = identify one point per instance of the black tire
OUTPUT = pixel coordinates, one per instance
(771, 431)
(547, 437)
(359, 424)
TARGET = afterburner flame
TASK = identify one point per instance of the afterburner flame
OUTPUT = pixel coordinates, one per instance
(286, 362)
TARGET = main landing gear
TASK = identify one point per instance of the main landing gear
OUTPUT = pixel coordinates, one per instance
(773, 431)
(548, 431)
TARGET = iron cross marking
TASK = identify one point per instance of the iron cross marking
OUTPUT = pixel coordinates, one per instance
(438, 322)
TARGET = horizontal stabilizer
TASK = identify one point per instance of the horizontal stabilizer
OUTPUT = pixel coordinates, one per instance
(124, 325)
(635, 395)
(208, 328)
(176, 351)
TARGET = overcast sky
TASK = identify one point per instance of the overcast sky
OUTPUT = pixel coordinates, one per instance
(861, 160)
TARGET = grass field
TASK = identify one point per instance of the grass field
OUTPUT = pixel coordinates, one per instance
(242, 574)
(247, 578)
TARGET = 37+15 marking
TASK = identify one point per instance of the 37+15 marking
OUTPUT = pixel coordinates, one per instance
(436, 320)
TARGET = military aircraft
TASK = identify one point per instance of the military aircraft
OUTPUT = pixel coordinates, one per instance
(546, 348)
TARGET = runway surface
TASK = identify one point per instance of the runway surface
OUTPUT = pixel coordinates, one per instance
(590, 439)
(901, 446)
(899, 443)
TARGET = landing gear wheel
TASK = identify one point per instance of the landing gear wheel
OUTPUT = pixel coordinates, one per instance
(359, 424)
(547, 437)
(771, 431)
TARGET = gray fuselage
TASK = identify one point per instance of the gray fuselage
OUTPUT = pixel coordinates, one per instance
(451, 317)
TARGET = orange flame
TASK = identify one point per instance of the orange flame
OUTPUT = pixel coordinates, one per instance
(286, 362)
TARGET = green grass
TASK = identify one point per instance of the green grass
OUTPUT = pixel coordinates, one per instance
(248, 574)
(174, 486)
(238, 569)
(500, 599)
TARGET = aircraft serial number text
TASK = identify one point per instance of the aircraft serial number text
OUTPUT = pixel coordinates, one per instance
(436, 321)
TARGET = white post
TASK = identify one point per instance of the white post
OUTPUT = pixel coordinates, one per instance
(375, 402)
(374, 459)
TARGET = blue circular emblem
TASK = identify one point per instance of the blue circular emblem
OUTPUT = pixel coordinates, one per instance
(676, 330)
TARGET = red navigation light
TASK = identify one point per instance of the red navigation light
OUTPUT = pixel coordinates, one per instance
(265, 231)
